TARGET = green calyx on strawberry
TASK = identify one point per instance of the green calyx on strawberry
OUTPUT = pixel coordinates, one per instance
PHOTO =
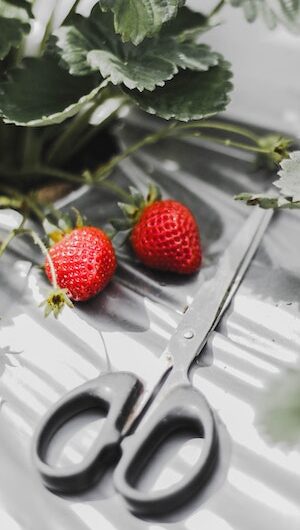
(80, 262)
(163, 232)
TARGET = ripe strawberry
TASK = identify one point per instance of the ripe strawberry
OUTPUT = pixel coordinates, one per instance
(84, 261)
(164, 233)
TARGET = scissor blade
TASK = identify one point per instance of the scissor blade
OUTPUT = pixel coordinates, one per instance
(213, 297)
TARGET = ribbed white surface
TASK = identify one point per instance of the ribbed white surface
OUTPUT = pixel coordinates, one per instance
(247, 362)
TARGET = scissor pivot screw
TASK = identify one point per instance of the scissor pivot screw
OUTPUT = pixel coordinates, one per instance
(188, 334)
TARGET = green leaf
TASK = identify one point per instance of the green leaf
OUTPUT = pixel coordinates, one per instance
(40, 92)
(154, 65)
(21, 4)
(289, 181)
(86, 34)
(91, 44)
(286, 12)
(189, 95)
(18, 9)
(141, 72)
(12, 32)
(137, 19)
(187, 25)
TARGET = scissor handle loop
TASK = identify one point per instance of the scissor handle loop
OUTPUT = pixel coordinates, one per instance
(115, 394)
(182, 407)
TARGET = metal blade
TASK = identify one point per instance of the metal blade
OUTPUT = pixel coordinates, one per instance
(214, 296)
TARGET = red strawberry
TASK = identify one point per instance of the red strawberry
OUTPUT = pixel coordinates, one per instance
(164, 233)
(166, 237)
(84, 262)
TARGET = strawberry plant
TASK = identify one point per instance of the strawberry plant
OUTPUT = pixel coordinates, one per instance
(66, 75)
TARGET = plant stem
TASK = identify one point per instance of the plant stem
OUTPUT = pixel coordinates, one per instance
(117, 190)
(26, 201)
(226, 127)
(28, 147)
(217, 8)
(232, 143)
(56, 153)
(58, 174)
(171, 130)
(105, 169)
(94, 129)
(20, 231)
(12, 234)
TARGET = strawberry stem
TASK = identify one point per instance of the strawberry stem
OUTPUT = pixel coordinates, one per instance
(57, 297)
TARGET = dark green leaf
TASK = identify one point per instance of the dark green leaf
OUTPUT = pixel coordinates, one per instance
(189, 95)
(18, 9)
(40, 92)
(21, 4)
(188, 24)
(137, 19)
(155, 66)
(12, 32)
(86, 34)
(91, 44)
(141, 73)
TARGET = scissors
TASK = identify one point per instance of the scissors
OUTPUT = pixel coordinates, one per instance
(138, 421)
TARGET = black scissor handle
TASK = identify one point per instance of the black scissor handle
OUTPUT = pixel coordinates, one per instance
(183, 407)
(113, 393)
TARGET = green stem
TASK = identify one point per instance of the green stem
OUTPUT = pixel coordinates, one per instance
(28, 148)
(117, 190)
(12, 234)
(75, 130)
(217, 8)
(20, 231)
(32, 204)
(58, 174)
(27, 201)
(104, 170)
(232, 143)
(87, 137)
(47, 33)
(226, 127)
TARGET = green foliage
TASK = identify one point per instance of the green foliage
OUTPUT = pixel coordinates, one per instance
(40, 92)
(146, 53)
(12, 32)
(169, 74)
(137, 19)
(16, 9)
(289, 181)
(14, 24)
(286, 12)
(288, 185)
(91, 44)
(190, 95)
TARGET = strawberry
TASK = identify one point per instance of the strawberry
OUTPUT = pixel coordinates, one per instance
(164, 233)
(84, 262)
